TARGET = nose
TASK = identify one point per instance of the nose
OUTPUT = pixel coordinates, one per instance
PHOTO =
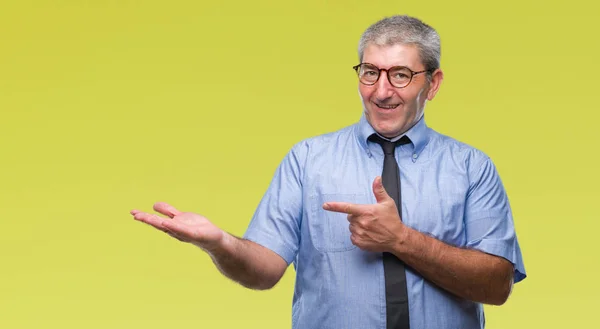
(384, 88)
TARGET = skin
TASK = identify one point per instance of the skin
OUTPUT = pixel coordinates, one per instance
(250, 264)
(410, 99)
(469, 274)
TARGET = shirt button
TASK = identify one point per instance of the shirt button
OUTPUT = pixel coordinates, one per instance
(414, 155)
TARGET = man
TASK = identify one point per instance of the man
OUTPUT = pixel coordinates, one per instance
(389, 224)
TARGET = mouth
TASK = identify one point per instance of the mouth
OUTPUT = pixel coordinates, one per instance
(388, 107)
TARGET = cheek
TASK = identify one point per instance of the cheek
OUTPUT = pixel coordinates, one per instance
(410, 97)
(365, 92)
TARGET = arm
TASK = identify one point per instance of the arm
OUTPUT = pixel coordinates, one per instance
(248, 263)
(259, 260)
(467, 273)
(243, 261)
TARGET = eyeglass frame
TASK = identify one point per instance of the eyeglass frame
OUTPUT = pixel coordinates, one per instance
(387, 73)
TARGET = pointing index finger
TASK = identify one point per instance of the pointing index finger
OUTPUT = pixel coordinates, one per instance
(342, 207)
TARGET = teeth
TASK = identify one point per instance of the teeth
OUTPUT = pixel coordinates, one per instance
(387, 106)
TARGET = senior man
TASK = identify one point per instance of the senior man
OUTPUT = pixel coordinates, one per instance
(389, 224)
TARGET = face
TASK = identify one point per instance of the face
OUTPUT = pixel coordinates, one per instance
(390, 110)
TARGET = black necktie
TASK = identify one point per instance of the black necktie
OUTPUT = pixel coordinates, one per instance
(396, 295)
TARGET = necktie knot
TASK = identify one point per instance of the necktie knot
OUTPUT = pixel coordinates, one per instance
(388, 146)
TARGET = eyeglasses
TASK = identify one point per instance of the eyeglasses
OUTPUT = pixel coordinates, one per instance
(398, 76)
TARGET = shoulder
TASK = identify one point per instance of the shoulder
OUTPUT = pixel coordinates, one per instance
(461, 154)
(325, 142)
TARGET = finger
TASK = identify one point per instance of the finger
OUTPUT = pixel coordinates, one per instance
(351, 218)
(343, 207)
(157, 222)
(177, 228)
(352, 228)
(354, 240)
(150, 219)
(166, 209)
(379, 191)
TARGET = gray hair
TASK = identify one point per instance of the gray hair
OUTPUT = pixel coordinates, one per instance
(402, 29)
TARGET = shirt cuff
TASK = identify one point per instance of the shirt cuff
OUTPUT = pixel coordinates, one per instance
(503, 249)
(272, 244)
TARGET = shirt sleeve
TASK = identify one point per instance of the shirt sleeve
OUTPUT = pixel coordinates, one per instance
(276, 221)
(488, 218)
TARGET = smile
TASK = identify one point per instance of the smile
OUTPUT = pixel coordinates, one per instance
(387, 107)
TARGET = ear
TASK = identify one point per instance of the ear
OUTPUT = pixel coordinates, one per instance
(436, 80)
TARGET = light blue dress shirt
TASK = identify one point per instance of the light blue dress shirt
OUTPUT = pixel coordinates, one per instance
(450, 191)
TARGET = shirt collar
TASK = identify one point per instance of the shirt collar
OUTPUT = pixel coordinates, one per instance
(419, 134)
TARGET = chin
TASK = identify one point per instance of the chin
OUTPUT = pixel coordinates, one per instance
(388, 126)
(387, 130)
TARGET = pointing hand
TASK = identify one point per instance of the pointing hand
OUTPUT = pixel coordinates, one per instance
(374, 227)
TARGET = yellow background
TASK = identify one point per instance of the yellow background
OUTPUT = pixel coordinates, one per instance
(107, 106)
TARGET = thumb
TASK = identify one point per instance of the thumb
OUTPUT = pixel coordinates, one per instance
(379, 191)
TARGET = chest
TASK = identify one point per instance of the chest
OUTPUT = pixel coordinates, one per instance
(433, 200)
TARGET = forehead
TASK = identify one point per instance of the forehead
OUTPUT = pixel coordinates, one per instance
(394, 55)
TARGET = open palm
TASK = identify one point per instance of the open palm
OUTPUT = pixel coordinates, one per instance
(184, 226)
